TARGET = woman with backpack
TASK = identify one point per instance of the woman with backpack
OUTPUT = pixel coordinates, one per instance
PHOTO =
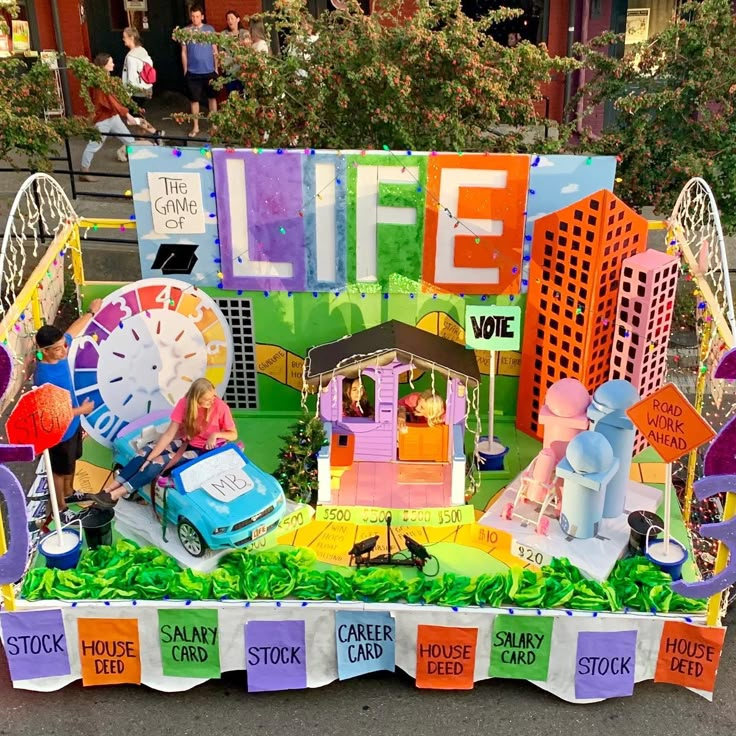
(138, 70)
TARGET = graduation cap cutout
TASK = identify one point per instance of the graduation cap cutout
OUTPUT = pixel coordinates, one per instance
(175, 258)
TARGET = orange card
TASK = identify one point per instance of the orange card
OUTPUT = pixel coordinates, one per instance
(689, 655)
(109, 651)
(446, 657)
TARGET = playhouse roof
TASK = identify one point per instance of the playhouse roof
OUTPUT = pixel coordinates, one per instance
(381, 345)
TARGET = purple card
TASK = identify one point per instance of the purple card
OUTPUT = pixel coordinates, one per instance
(275, 655)
(35, 644)
(605, 663)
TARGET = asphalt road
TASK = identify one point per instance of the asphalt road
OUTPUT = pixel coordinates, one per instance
(368, 706)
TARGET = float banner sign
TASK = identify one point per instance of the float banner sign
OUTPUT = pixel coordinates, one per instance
(109, 651)
(492, 327)
(689, 655)
(521, 646)
(276, 655)
(190, 645)
(365, 643)
(605, 663)
(446, 657)
(35, 644)
(670, 423)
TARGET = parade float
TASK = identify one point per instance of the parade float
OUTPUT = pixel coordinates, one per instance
(528, 529)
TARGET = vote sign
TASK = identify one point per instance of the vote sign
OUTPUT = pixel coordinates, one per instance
(493, 328)
(40, 418)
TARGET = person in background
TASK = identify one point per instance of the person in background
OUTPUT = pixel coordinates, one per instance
(108, 119)
(200, 421)
(52, 367)
(421, 408)
(513, 39)
(199, 62)
(355, 400)
(258, 36)
(228, 64)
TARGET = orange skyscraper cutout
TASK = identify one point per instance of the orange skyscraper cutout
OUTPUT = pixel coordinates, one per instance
(577, 254)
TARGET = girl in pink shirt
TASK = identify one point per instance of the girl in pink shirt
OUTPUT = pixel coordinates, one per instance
(200, 421)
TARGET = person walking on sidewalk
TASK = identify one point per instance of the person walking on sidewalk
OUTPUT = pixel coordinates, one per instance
(199, 62)
(52, 367)
(108, 119)
(138, 69)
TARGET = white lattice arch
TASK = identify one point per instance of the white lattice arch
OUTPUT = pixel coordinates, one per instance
(696, 226)
(40, 206)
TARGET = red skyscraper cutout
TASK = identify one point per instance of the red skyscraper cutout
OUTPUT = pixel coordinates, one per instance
(577, 255)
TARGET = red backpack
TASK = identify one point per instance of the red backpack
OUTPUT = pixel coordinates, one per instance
(148, 74)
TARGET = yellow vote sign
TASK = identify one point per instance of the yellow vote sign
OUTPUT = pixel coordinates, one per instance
(449, 516)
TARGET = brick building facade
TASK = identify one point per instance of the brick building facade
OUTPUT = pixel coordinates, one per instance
(87, 27)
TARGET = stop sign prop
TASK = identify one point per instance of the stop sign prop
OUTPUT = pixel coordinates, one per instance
(40, 418)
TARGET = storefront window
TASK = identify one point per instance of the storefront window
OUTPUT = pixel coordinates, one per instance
(647, 18)
(531, 26)
(15, 36)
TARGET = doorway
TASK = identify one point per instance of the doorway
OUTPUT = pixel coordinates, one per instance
(107, 18)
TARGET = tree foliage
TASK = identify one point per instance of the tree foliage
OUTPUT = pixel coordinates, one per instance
(434, 80)
(674, 99)
(25, 132)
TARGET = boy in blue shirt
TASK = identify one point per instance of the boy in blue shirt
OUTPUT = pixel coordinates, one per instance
(53, 367)
(199, 61)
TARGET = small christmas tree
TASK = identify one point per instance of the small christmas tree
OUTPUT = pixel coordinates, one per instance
(297, 470)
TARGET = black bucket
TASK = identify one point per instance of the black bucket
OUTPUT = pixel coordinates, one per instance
(640, 522)
(97, 525)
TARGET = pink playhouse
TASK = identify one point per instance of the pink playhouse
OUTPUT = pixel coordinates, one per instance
(368, 461)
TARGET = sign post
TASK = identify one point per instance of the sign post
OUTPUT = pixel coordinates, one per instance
(40, 418)
(672, 427)
(492, 328)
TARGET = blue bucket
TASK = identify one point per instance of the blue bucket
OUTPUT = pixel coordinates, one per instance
(65, 559)
(491, 461)
(673, 567)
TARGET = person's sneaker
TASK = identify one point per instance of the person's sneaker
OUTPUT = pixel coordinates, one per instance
(68, 516)
(86, 176)
(122, 154)
(77, 497)
(160, 135)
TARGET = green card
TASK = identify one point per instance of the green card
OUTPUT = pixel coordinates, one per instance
(190, 643)
(520, 647)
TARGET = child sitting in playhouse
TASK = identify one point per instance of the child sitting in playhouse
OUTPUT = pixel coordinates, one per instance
(200, 421)
(421, 408)
(355, 401)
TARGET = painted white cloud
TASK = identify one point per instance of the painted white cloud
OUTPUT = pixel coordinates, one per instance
(153, 235)
(198, 163)
(143, 196)
(533, 218)
(151, 257)
(570, 188)
(141, 154)
(544, 162)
